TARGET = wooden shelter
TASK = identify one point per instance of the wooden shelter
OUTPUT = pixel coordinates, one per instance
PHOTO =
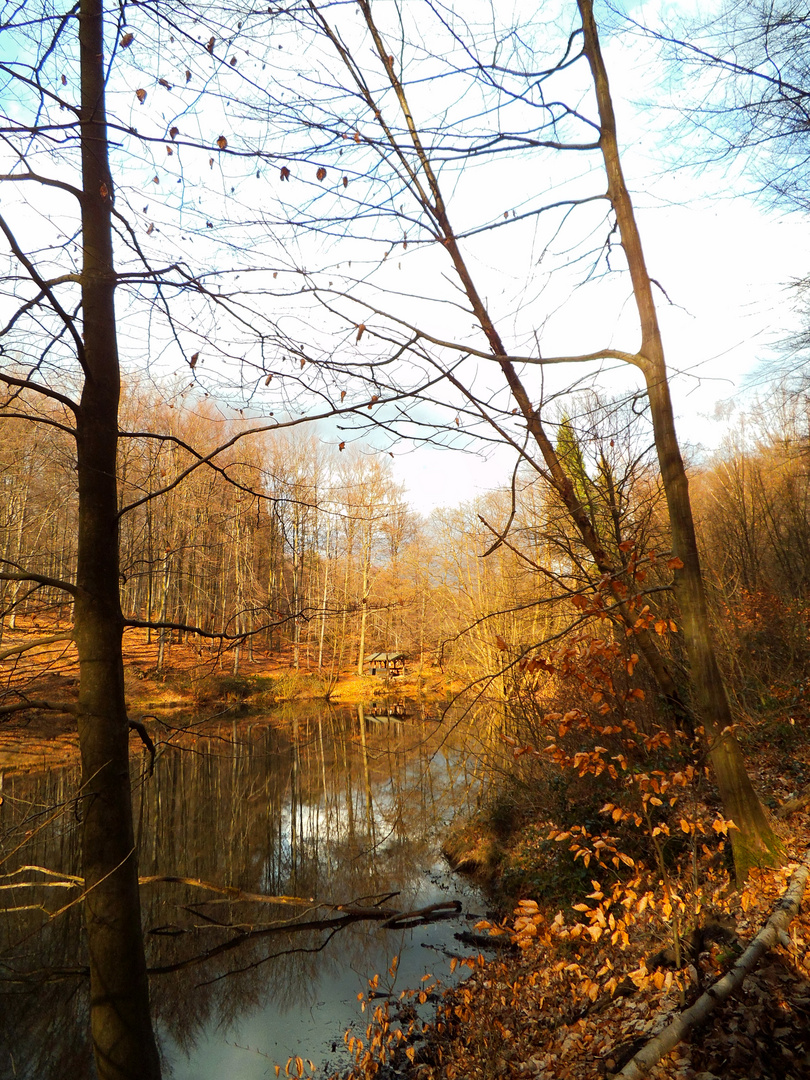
(386, 664)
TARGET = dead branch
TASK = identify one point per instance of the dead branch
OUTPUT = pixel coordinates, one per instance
(661, 1045)
(792, 806)
(24, 646)
(38, 703)
(345, 915)
(389, 917)
(232, 893)
(137, 725)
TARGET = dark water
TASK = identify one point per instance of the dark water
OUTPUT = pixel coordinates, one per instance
(340, 808)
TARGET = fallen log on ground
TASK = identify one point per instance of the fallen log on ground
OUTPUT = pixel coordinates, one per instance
(669, 1038)
(484, 941)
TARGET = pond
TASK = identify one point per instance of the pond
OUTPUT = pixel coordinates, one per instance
(332, 807)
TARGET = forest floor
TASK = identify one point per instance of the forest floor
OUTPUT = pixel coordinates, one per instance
(194, 681)
(586, 985)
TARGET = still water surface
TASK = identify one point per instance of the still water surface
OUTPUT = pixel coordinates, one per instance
(329, 804)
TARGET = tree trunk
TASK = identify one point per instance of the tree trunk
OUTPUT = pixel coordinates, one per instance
(123, 1042)
(361, 648)
(755, 841)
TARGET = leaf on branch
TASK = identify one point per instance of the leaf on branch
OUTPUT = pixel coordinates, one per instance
(188, 75)
(345, 181)
(321, 173)
(64, 80)
(222, 142)
(233, 61)
(141, 95)
(165, 84)
(155, 180)
(500, 643)
(626, 545)
(151, 228)
(342, 394)
(342, 446)
(268, 379)
(103, 190)
(303, 361)
(193, 361)
(361, 329)
(285, 173)
(174, 132)
(127, 40)
(675, 563)
(210, 45)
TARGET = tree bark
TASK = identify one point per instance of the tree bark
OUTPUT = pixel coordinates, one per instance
(754, 840)
(123, 1041)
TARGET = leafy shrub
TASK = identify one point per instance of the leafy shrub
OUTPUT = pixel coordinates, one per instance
(223, 688)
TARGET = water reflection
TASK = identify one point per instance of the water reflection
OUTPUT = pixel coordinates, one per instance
(338, 806)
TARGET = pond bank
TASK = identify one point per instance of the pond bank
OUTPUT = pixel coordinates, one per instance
(192, 685)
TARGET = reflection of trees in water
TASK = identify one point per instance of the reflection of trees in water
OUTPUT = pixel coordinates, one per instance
(43, 1013)
(339, 809)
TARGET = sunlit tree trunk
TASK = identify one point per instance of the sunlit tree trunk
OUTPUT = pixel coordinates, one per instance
(753, 840)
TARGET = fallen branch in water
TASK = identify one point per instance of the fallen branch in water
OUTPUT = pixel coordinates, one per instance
(345, 915)
(667, 1040)
(232, 894)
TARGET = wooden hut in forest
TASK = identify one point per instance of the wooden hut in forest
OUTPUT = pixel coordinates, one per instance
(389, 665)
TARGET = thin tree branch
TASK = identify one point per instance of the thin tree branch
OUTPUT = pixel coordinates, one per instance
(24, 646)
(68, 321)
(39, 579)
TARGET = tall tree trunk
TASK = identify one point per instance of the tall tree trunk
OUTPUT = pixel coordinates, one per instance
(361, 648)
(123, 1041)
(754, 840)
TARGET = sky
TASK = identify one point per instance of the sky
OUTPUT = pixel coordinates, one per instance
(723, 261)
(726, 261)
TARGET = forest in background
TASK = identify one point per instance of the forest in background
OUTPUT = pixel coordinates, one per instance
(297, 549)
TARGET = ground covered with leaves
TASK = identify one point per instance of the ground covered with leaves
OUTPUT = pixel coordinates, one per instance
(583, 986)
(581, 995)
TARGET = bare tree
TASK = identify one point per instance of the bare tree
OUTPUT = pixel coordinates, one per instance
(72, 175)
(490, 389)
(741, 76)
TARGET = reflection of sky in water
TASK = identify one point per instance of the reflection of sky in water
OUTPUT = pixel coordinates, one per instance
(269, 1035)
(339, 812)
